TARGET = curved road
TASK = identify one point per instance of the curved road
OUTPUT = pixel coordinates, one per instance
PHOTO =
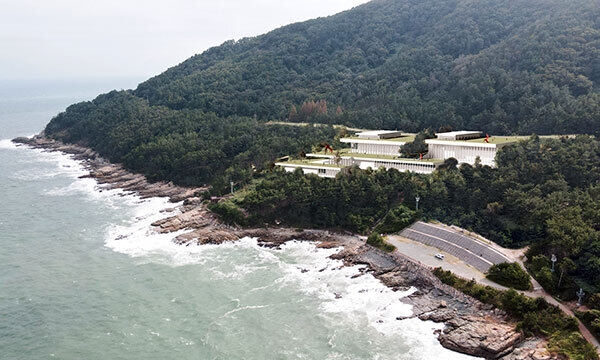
(473, 251)
(468, 256)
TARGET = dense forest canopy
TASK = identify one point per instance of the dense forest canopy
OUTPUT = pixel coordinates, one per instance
(504, 67)
(544, 193)
(499, 66)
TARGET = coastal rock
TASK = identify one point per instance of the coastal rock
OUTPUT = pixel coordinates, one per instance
(439, 315)
(395, 280)
(472, 327)
(193, 201)
(531, 349)
(204, 236)
(480, 337)
(192, 219)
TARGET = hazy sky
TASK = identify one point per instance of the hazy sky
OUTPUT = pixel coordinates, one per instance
(133, 38)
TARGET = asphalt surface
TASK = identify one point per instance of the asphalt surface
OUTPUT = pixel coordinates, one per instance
(469, 249)
(466, 256)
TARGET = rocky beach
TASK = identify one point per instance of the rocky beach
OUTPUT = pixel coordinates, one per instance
(470, 326)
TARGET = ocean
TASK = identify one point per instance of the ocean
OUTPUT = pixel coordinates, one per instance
(82, 275)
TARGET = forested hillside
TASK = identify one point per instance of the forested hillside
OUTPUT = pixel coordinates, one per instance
(544, 193)
(501, 66)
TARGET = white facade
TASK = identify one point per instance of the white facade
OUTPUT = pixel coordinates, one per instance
(374, 147)
(383, 150)
(463, 151)
(322, 171)
(459, 135)
(417, 166)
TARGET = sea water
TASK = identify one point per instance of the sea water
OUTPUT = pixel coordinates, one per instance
(83, 276)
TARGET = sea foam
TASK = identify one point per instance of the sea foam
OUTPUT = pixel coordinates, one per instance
(7, 144)
(343, 291)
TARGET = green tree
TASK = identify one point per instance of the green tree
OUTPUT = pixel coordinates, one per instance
(510, 275)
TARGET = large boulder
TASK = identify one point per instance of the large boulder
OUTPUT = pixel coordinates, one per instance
(480, 337)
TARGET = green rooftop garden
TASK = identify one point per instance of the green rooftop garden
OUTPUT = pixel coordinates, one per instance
(346, 153)
(498, 139)
(310, 162)
(406, 138)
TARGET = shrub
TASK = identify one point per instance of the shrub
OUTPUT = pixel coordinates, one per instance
(377, 241)
(591, 319)
(571, 344)
(510, 275)
(396, 220)
(228, 212)
(445, 276)
(534, 316)
(594, 301)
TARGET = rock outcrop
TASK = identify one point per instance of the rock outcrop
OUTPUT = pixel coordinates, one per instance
(480, 337)
(471, 327)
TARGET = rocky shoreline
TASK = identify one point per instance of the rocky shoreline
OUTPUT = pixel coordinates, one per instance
(471, 327)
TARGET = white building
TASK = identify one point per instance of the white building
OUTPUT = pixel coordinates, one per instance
(308, 167)
(376, 149)
(382, 142)
(466, 146)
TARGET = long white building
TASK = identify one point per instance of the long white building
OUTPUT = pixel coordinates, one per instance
(381, 148)
(467, 146)
(382, 142)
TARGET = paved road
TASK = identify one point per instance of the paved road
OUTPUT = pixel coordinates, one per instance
(467, 256)
(472, 250)
(425, 255)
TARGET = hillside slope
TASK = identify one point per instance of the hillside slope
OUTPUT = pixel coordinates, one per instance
(504, 67)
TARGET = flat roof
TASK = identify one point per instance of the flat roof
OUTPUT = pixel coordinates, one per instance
(492, 140)
(379, 134)
(402, 139)
(461, 132)
(499, 139)
(348, 155)
(459, 135)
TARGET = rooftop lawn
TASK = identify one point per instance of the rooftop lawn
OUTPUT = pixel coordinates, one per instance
(406, 138)
(498, 139)
(345, 153)
(310, 163)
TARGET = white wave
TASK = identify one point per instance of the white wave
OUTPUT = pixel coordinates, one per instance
(343, 289)
(35, 174)
(137, 238)
(243, 308)
(63, 164)
(52, 163)
(79, 186)
(7, 144)
(44, 165)
(360, 298)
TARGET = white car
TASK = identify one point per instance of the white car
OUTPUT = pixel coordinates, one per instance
(439, 256)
